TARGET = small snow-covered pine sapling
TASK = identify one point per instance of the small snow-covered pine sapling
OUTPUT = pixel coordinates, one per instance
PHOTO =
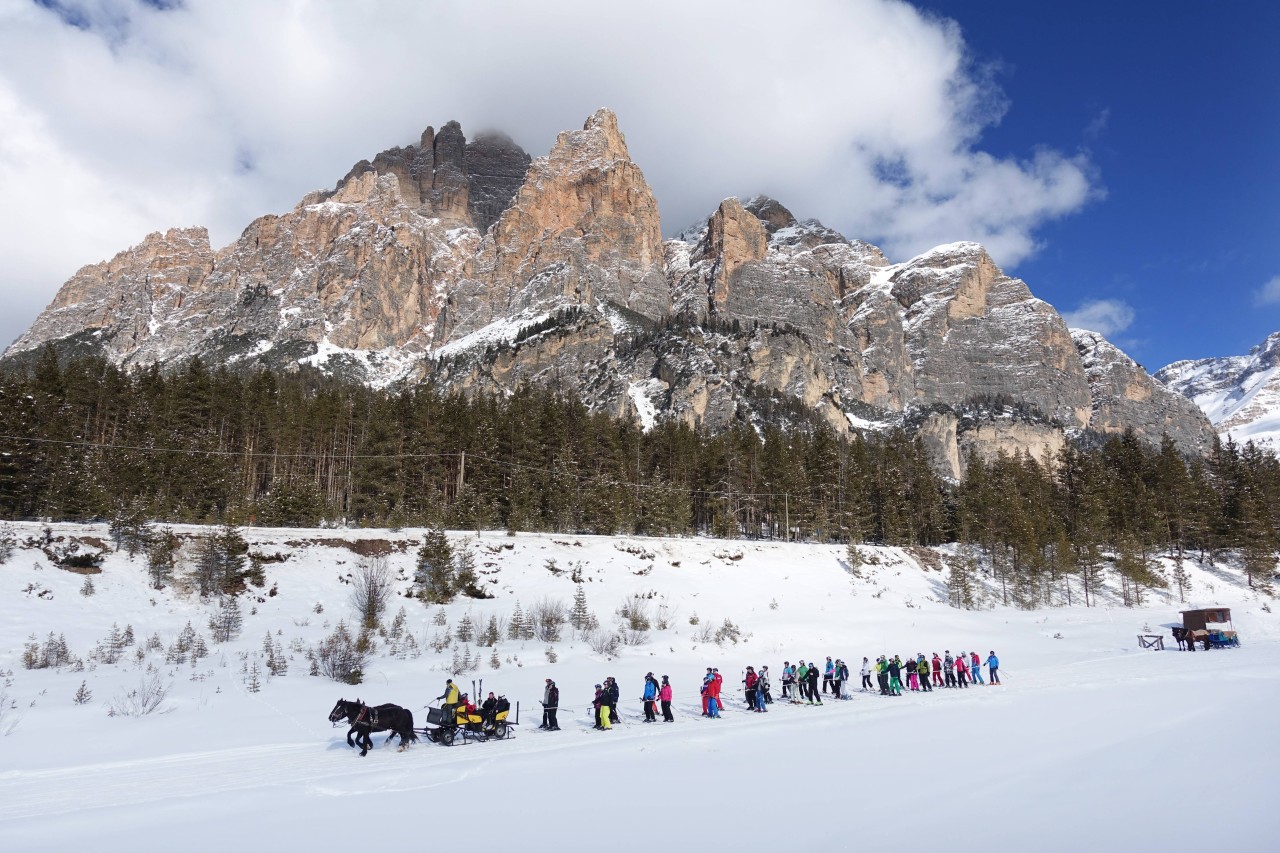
(87, 588)
(494, 661)
(491, 634)
(84, 695)
(253, 680)
(515, 627)
(853, 555)
(8, 541)
(550, 652)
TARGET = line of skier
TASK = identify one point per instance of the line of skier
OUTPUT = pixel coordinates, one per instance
(799, 685)
(946, 671)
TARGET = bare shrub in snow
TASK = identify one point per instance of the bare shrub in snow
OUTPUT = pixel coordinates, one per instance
(9, 717)
(146, 698)
(605, 643)
(633, 636)
(546, 617)
(342, 657)
(728, 631)
(371, 590)
(635, 612)
(666, 615)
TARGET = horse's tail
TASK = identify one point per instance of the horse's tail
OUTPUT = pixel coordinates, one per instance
(408, 715)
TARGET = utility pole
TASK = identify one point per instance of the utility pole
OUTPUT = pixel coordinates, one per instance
(786, 513)
(462, 473)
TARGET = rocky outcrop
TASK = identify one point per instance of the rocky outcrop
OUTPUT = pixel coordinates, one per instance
(461, 183)
(472, 264)
(1126, 397)
(972, 331)
(583, 230)
(951, 441)
(1239, 394)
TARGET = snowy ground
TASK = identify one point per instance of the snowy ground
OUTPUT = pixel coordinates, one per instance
(1091, 741)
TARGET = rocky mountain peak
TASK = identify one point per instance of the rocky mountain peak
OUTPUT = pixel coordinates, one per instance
(469, 262)
(771, 212)
(446, 177)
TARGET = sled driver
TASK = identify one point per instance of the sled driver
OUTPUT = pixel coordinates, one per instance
(450, 697)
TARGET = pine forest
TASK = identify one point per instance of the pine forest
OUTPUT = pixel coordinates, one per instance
(84, 439)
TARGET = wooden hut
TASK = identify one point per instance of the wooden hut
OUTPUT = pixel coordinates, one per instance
(1198, 620)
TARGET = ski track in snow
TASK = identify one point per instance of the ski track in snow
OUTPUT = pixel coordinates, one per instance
(329, 771)
(1084, 720)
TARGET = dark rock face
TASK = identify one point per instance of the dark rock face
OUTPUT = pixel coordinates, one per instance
(771, 213)
(495, 169)
(444, 176)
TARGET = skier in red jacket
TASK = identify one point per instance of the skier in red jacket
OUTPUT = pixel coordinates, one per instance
(937, 670)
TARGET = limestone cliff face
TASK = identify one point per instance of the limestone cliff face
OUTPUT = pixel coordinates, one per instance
(1126, 397)
(583, 229)
(951, 443)
(469, 263)
(973, 331)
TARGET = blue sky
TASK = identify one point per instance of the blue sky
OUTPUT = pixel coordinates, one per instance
(1178, 106)
(1119, 157)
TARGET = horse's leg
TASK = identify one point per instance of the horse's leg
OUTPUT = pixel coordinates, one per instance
(349, 732)
(365, 741)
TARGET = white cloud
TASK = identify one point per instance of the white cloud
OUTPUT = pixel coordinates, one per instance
(1107, 317)
(1269, 293)
(864, 113)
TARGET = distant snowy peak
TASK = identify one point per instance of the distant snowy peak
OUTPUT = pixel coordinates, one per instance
(1240, 394)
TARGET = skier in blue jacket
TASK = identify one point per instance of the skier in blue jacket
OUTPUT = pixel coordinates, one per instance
(650, 697)
(993, 663)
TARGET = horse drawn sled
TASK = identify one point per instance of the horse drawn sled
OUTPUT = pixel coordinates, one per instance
(1211, 627)
(447, 724)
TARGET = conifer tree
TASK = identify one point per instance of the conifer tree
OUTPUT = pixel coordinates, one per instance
(961, 579)
(434, 575)
(162, 557)
(226, 621)
(580, 615)
(516, 627)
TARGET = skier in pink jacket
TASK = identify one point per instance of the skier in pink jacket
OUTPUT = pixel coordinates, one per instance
(664, 696)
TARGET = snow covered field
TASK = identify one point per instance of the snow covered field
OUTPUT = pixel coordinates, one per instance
(1090, 741)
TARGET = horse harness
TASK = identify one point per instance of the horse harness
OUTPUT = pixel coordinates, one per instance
(366, 712)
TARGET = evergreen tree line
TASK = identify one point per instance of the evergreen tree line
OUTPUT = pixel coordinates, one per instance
(86, 439)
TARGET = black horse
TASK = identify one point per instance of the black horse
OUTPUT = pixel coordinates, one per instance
(364, 719)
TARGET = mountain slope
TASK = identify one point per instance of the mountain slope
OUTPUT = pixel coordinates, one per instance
(473, 265)
(222, 765)
(1240, 394)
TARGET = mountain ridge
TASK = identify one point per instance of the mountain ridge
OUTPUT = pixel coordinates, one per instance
(1239, 394)
(430, 261)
